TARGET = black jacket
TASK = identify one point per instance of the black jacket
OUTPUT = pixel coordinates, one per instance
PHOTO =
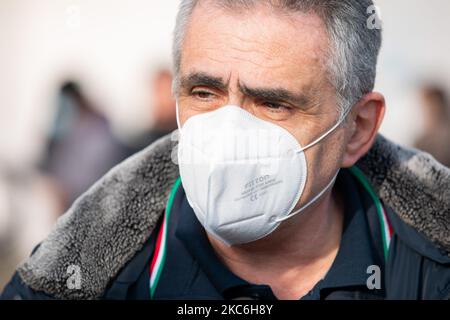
(108, 231)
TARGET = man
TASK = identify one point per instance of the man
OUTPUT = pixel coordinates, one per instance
(162, 119)
(328, 210)
(436, 114)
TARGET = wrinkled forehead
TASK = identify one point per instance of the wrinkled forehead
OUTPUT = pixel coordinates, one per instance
(259, 46)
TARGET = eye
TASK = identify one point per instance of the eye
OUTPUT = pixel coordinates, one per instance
(202, 94)
(276, 107)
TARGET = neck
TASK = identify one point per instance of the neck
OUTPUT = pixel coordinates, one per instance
(296, 255)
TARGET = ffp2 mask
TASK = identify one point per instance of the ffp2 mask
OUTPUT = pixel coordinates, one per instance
(242, 175)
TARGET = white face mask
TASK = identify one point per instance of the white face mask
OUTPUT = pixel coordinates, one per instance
(242, 175)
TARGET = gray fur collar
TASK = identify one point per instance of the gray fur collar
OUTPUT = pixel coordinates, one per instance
(108, 224)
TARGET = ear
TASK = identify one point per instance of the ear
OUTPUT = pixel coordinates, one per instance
(362, 126)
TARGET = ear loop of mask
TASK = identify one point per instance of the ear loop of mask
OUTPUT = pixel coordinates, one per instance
(310, 202)
(323, 136)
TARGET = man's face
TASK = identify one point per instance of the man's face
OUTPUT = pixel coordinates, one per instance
(272, 64)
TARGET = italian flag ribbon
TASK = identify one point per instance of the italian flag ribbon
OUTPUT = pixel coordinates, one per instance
(159, 255)
(386, 228)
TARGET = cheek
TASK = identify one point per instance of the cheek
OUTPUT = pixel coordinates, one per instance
(184, 114)
(185, 111)
(327, 154)
(323, 161)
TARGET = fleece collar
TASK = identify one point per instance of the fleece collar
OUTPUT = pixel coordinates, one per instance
(109, 223)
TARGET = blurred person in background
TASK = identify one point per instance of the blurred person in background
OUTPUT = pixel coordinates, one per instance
(436, 137)
(163, 112)
(81, 146)
(80, 149)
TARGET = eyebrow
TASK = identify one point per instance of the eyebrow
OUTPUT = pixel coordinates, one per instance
(275, 94)
(269, 94)
(202, 79)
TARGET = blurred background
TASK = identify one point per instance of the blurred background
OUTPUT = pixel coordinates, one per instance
(85, 84)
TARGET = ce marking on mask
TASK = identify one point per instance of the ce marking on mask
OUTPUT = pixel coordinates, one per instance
(225, 310)
(257, 188)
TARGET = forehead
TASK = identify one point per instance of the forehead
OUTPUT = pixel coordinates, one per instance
(261, 46)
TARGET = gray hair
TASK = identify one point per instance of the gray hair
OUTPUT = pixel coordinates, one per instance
(354, 46)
